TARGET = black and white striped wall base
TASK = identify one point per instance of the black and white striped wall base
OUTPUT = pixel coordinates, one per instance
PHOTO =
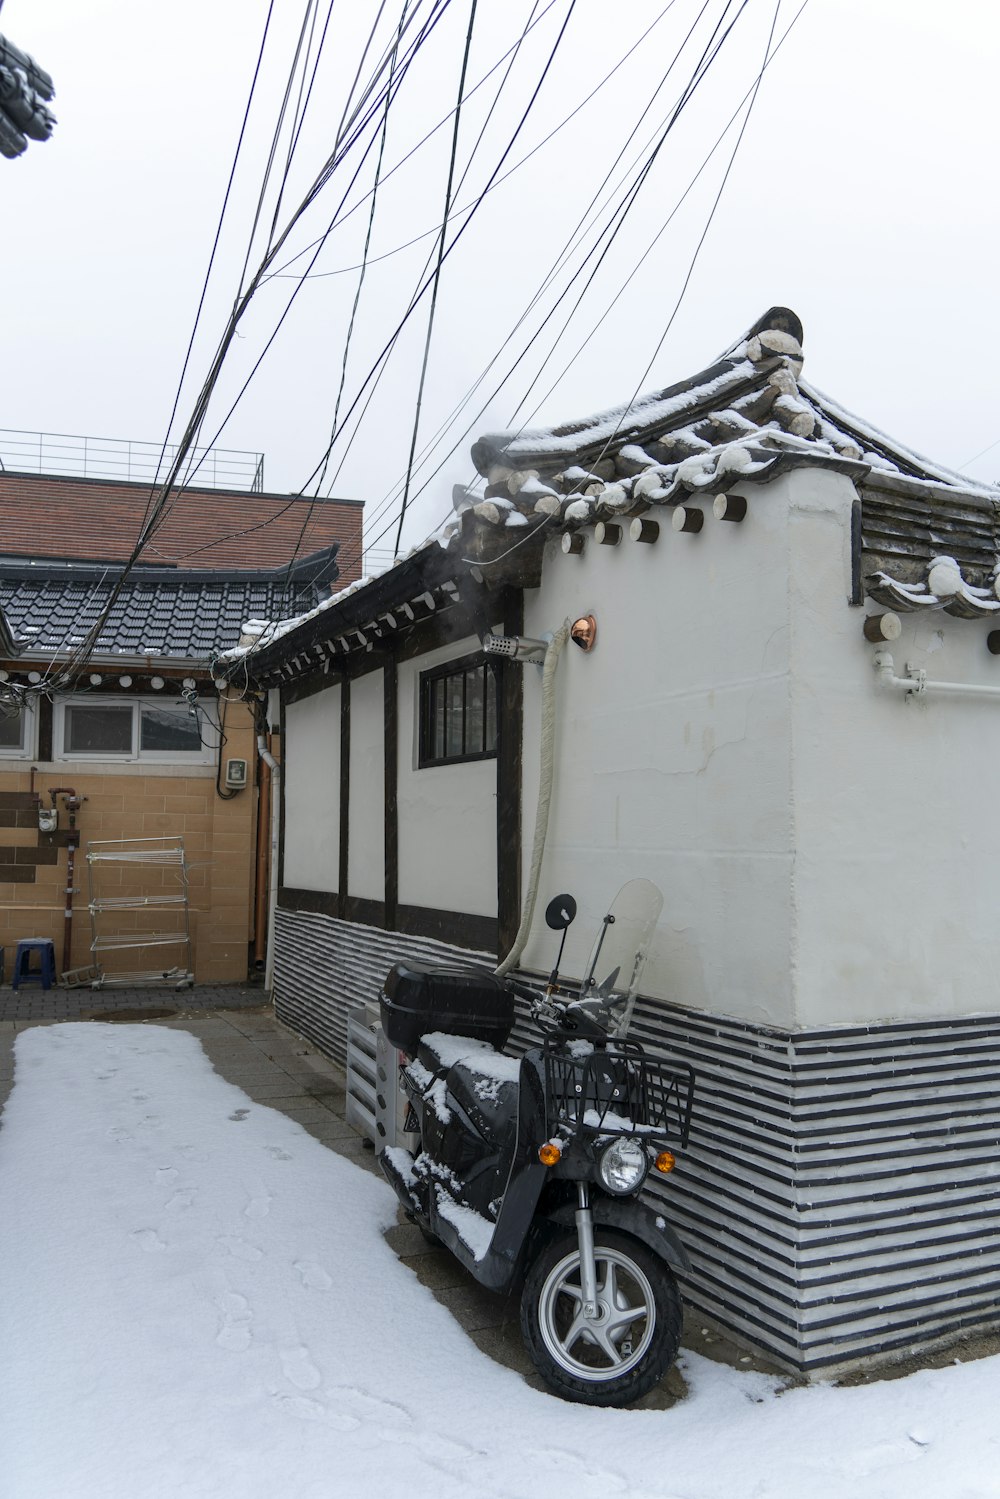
(840, 1197)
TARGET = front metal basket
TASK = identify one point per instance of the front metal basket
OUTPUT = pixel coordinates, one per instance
(617, 1090)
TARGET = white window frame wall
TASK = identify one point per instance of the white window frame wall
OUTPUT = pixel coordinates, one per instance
(135, 755)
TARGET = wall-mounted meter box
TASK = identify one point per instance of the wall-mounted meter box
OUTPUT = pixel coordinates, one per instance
(236, 774)
(48, 819)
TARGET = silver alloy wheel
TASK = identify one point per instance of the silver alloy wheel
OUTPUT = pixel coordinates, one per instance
(611, 1344)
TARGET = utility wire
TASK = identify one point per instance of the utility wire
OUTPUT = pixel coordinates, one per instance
(155, 515)
(623, 209)
(437, 268)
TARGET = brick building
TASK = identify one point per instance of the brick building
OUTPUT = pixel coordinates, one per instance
(141, 736)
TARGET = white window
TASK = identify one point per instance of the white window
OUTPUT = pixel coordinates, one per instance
(103, 728)
(17, 734)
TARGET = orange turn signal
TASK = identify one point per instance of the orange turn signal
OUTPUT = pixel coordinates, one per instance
(665, 1161)
(549, 1154)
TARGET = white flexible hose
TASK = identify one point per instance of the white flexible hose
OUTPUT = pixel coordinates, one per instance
(545, 776)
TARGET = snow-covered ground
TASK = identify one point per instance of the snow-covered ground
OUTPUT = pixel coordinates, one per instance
(196, 1300)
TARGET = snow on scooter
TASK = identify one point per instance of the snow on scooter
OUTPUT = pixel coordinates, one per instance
(529, 1170)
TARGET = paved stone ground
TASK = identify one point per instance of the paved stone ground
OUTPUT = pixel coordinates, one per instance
(276, 1068)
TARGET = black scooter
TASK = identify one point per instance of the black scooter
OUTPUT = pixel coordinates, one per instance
(529, 1170)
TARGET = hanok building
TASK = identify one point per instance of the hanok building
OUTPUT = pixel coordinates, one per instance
(139, 746)
(789, 721)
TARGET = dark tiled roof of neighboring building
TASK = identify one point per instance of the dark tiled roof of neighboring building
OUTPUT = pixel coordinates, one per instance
(161, 613)
(47, 516)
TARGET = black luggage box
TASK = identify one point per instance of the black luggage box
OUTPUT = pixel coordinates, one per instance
(422, 997)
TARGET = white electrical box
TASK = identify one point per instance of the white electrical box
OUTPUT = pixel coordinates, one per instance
(236, 774)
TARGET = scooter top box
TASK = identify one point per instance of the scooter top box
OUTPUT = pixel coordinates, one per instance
(423, 997)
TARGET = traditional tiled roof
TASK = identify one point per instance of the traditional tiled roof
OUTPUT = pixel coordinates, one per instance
(746, 417)
(165, 614)
(47, 516)
(926, 537)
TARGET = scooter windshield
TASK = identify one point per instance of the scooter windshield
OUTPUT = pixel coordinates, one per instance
(620, 952)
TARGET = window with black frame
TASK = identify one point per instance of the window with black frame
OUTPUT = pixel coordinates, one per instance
(458, 712)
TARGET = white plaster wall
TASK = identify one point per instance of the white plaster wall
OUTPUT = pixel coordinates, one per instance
(673, 757)
(366, 836)
(897, 820)
(311, 783)
(447, 813)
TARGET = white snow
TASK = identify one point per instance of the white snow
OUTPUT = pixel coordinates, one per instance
(473, 1229)
(478, 1055)
(196, 1302)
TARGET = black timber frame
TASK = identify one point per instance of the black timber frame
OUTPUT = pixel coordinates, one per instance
(472, 613)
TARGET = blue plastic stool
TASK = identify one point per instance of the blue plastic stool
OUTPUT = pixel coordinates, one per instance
(23, 973)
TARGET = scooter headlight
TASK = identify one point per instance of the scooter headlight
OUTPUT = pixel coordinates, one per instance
(623, 1166)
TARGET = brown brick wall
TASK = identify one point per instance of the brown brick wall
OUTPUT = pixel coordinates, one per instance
(219, 841)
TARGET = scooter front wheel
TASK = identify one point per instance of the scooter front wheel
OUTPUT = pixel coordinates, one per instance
(617, 1356)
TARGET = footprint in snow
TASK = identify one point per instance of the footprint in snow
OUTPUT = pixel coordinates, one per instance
(313, 1276)
(140, 1097)
(239, 1248)
(391, 1418)
(558, 1460)
(119, 1134)
(304, 1409)
(299, 1368)
(165, 1175)
(276, 1153)
(239, 1115)
(181, 1200)
(147, 1239)
(257, 1207)
(234, 1333)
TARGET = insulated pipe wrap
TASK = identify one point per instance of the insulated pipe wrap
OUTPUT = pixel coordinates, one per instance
(546, 773)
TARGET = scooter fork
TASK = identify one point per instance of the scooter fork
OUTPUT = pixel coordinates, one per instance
(585, 1240)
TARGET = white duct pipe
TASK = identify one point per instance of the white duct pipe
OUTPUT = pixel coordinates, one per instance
(272, 893)
(546, 772)
(916, 682)
(266, 756)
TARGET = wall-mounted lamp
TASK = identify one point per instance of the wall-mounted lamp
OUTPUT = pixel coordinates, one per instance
(125, 681)
(189, 684)
(95, 679)
(583, 632)
(156, 683)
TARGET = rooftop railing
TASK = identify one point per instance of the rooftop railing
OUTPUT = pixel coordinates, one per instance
(69, 456)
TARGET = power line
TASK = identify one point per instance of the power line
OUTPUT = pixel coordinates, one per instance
(440, 262)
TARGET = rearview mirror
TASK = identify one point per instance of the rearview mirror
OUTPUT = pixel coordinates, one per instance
(559, 912)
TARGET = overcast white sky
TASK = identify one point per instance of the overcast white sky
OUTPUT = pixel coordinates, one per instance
(863, 196)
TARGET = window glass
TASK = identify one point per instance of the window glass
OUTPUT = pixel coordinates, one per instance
(437, 718)
(12, 731)
(474, 711)
(169, 729)
(458, 712)
(454, 712)
(96, 729)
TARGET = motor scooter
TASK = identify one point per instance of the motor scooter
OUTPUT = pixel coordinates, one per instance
(529, 1169)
